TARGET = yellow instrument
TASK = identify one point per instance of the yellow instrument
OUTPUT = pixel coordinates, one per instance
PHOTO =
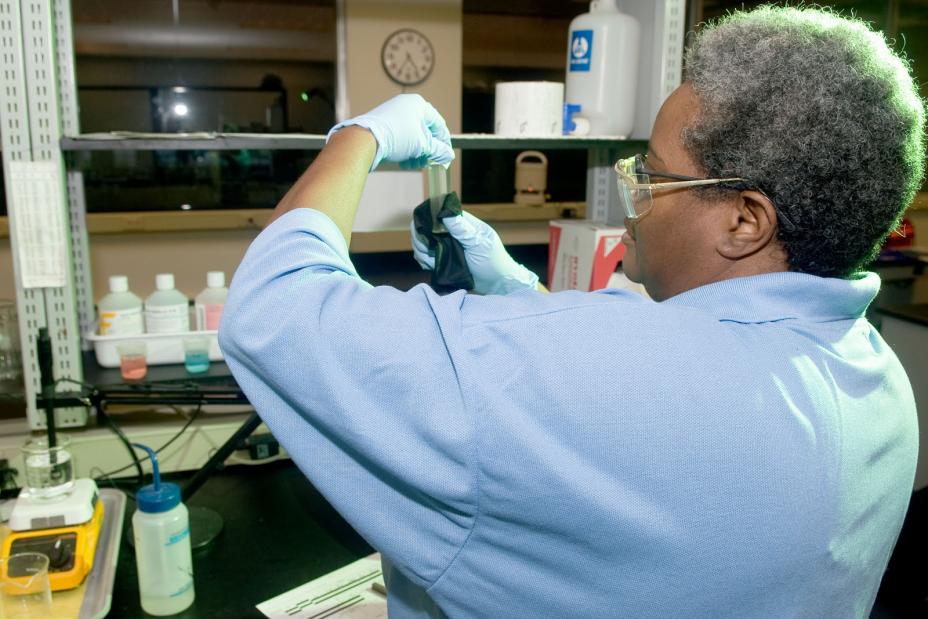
(70, 548)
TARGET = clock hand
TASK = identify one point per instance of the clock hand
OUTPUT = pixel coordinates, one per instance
(409, 60)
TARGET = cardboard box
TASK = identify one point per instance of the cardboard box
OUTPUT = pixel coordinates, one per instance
(582, 254)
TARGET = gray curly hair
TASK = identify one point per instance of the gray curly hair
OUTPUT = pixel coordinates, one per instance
(819, 113)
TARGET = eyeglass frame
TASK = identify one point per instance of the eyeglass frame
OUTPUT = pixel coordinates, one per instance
(681, 182)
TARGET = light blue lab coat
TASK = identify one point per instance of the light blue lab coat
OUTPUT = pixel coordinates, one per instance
(744, 449)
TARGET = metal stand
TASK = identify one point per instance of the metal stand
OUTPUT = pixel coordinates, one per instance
(225, 450)
(206, 524)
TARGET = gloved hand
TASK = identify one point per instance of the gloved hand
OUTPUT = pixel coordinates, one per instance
(494, 270)
(408, 130)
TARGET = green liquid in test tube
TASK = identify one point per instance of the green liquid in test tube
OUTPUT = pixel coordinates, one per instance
(439, 185)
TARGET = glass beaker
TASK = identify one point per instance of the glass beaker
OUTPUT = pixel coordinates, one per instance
(25, 591)
(133, 365)
(49, 472)
(196, 354)
(11, 362)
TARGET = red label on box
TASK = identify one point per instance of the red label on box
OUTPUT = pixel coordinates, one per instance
(554, 240)
(609, 253)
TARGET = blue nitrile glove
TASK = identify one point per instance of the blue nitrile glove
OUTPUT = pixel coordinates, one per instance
(408, 130)
(494, 270)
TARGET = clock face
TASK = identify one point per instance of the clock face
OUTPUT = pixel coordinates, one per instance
(407, 57)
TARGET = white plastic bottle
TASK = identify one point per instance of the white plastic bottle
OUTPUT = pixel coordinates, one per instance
(167, 309)
(161, 528)
(210, 301)
(120, 310)
(602, 68)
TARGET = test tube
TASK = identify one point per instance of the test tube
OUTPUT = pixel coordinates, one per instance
(439, 185)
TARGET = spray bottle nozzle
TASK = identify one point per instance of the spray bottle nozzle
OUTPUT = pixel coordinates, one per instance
(157, 497)
(153, 457)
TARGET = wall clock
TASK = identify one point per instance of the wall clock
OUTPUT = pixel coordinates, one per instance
(407, 57)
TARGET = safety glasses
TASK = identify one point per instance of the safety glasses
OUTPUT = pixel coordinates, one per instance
(635, 186)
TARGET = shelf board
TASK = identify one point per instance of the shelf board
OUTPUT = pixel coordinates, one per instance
(124, 140)
(512, 232)
(489, 141)
(508, 215)
(505, 212)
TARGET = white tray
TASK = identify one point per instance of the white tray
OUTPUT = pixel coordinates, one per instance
(98, 593)
(160, 348)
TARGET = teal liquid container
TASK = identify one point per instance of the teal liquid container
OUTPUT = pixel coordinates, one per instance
(196, 362)
(196, 354)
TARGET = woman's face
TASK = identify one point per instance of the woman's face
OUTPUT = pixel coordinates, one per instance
(667, 248)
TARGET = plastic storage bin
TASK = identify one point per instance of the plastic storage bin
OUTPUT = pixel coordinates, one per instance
(161, 348)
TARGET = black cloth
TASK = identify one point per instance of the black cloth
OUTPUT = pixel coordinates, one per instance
(450, 272)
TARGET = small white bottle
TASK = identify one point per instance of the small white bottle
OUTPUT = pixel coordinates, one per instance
(161, 528)
(167, 310)
(120, 310)
(210, 301)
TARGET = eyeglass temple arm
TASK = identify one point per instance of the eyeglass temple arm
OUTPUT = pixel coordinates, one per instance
(681, 177)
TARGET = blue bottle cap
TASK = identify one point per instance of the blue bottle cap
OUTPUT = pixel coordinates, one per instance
(156, 497)
(568, 121)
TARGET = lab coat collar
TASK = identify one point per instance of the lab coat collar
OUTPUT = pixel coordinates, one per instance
(784, 296)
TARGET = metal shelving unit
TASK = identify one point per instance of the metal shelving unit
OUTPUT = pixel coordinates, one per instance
(38, 112)
(38, 104)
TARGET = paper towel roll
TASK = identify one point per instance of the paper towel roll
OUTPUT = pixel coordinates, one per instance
(529, 108)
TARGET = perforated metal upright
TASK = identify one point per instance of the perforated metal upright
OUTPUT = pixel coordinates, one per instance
(38, 103)
(601, 189)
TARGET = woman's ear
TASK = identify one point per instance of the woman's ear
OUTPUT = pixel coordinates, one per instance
(750, 225)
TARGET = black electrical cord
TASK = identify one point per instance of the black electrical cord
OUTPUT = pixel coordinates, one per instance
(170, 441)
(136, 461)
(128, 445)
(114, 427)
(74, 381)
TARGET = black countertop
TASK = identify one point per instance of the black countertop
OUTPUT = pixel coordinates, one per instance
(279, 533)
(95, 374)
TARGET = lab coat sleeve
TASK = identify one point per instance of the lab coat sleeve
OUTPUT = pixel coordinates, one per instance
(359, 386)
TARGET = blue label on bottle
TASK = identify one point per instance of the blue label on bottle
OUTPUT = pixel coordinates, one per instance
(187, 586)
(581, 50)
(173, 539)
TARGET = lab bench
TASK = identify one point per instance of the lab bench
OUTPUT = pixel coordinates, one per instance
(279, 533)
